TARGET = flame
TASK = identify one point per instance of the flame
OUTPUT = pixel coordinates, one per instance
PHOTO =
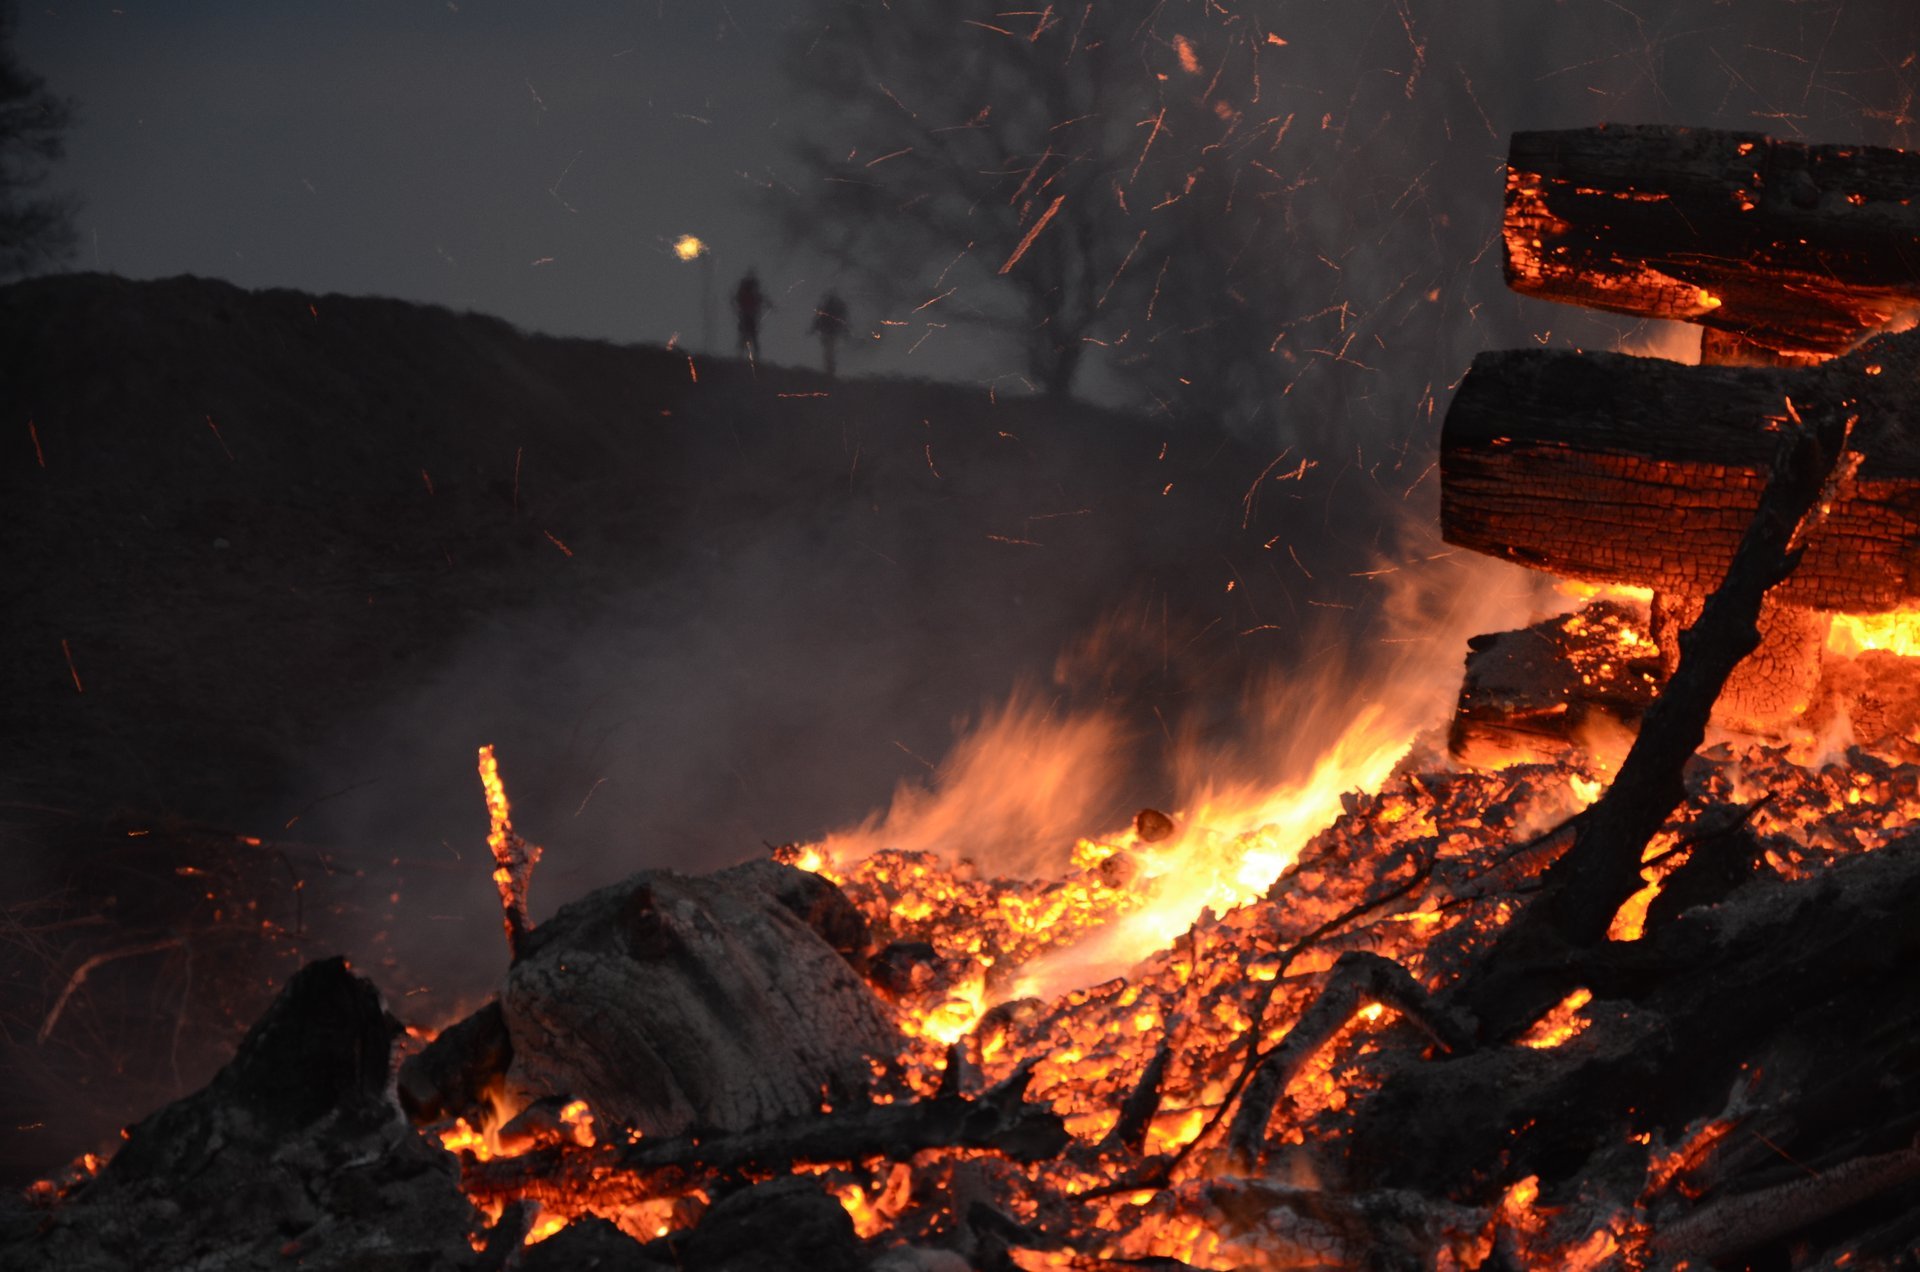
(1198, 933)
(1896, 632)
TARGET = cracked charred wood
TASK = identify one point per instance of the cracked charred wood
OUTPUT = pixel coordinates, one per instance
(1796, 249)
(1386, 1230)
(1638, 471)
(669, 1002)
(998, 1120)
(1527, 969)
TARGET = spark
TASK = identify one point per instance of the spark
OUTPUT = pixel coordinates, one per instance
(1034, 233)
(34, 433)
(218, 438)
(556, 542)
(71, 669)
(688, 247)
(598, 783)
(1157, 121)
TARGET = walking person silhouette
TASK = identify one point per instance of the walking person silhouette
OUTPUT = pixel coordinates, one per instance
(748, 302)
(830, 324)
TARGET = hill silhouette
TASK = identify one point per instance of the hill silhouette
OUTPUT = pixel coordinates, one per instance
(277, 563)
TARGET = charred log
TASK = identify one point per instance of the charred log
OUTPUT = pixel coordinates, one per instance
(451, 1076)
(1637, 471)
(1794, 248)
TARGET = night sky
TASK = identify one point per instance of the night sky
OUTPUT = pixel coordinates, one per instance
(537, 161)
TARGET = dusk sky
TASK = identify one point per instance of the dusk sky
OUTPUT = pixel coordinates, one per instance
(537, 161)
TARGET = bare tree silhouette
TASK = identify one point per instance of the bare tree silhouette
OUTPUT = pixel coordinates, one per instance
(33, 230)
(958, 145)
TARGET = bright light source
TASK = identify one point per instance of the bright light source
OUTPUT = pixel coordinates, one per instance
(687, 247)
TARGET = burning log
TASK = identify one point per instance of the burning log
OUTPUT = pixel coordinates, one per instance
(1795, 249)
(1639, 471)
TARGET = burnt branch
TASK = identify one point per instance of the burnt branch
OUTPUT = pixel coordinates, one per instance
(1136, 1112)
(1357, 979)
(998, 1120)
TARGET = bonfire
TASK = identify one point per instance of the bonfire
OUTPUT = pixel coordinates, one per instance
(1611, 968)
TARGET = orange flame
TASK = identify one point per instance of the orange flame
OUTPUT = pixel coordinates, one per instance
(514, 858)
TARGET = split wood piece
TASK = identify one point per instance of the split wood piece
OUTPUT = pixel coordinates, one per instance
(1357, 979)
(1639, 471)
(1526, 971)
(998, 1120)
(1774, 686)
(1565, 684)
(669, 1002)
(1802, 250)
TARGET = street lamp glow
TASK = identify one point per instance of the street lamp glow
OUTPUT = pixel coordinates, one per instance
(687, 247)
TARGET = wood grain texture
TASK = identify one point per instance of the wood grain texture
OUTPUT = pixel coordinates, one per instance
(1646, 472)
(671, 1002)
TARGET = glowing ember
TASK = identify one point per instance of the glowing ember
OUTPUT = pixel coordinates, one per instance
(1560, 1024)
(688, 248)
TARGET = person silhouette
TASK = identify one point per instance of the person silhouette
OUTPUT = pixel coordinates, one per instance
(830, 324)
(748, 301)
